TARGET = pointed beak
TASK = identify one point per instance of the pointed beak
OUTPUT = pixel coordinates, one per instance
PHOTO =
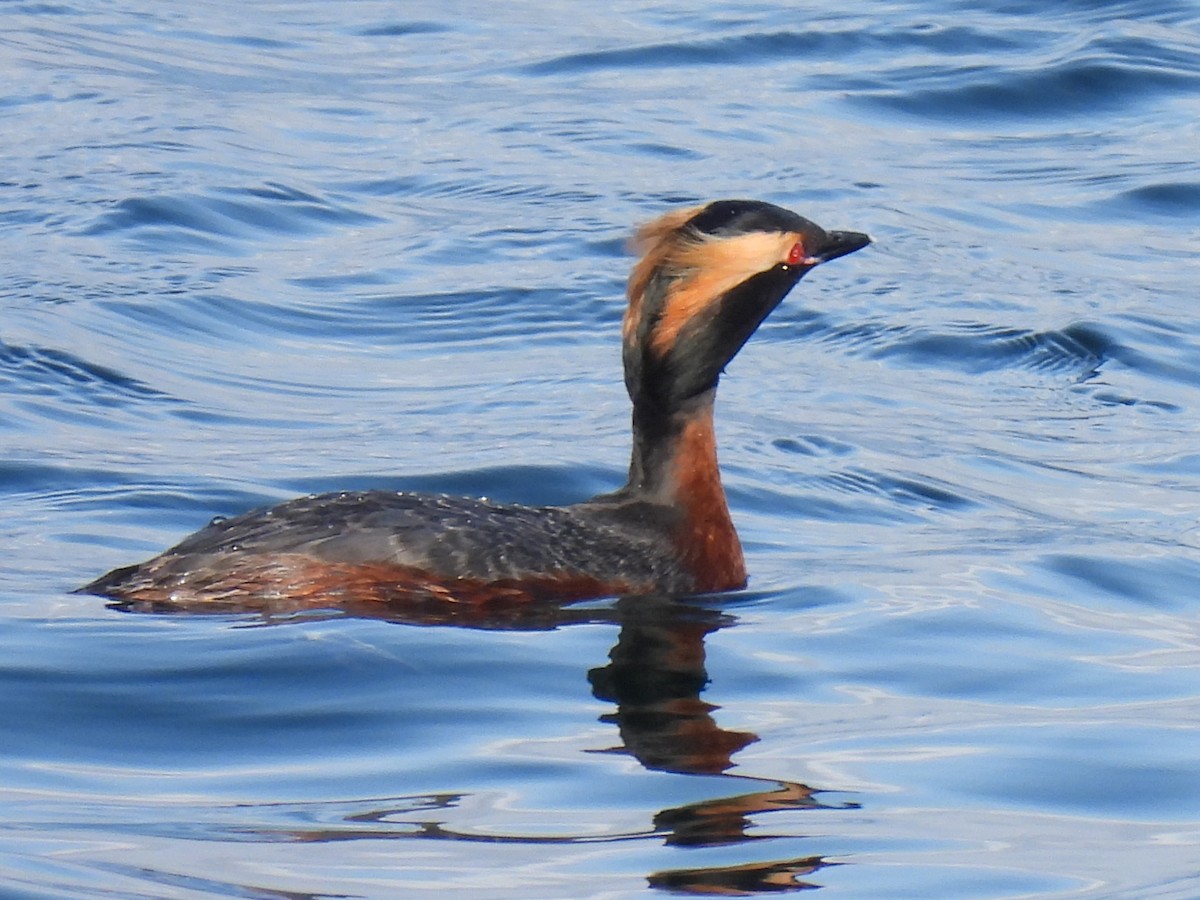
(838, 243)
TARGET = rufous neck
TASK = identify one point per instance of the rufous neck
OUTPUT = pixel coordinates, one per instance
(659, 446)
(674, 462)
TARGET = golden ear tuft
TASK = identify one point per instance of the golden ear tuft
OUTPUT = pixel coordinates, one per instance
(655, 242)
(656, 231)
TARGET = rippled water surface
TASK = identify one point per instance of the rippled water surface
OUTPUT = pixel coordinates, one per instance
(257, 250)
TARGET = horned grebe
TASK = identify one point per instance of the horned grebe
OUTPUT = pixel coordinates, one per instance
(707, 278)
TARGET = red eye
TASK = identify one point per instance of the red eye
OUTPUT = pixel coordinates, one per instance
(796, 255)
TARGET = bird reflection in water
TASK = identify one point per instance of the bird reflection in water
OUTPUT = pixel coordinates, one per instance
(655, 676)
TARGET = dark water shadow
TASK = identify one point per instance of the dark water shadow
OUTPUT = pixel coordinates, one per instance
(654, 678)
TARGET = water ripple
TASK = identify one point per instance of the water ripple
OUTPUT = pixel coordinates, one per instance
(1076, 87)
(1177, 200)
(225, 219)
(1077, 350)
(44, 371)
(1166, 584)
(1101, 72)
(348, 310)
(760, 48)
(854, 494)
(468, 188)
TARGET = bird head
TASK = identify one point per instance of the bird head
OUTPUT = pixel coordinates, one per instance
(707, 278)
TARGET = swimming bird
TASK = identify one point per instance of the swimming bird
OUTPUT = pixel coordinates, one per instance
(706, 279)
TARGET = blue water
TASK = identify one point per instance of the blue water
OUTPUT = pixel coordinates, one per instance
(257, 250)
